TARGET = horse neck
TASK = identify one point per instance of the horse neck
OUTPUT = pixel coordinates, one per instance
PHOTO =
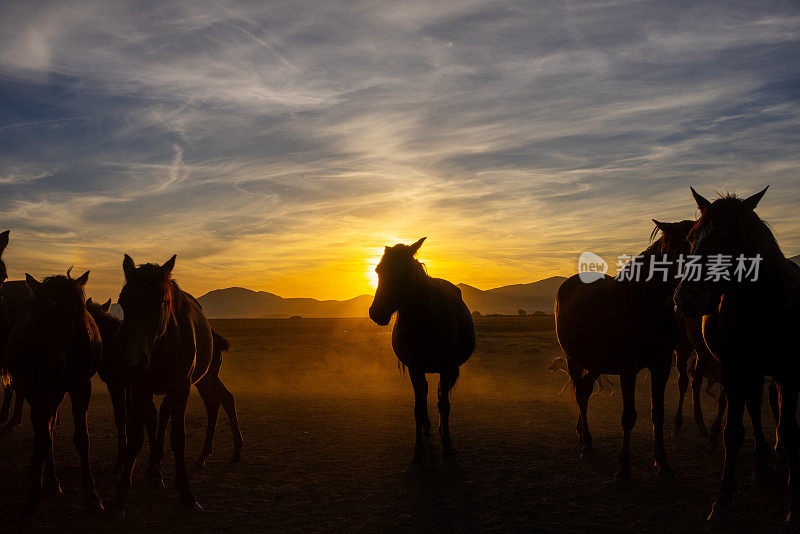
(418, 294)
(635, 296)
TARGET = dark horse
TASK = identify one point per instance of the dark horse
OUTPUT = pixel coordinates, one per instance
(749, 324)
(433, 333)
(55, 349)
(163, 346)
(621, 326)
(211, 389)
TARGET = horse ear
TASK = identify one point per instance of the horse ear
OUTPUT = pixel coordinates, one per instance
(661, 225)
(4, 240)
(752, 201)
(33, 284)
(82, 279)
(702, 202)
(128, 266)
(415, 247)
(106, 306)
(89, 301)
(169, 265)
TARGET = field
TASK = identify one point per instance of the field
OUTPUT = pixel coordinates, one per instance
(328, 426)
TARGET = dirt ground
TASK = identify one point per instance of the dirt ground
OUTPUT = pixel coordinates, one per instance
(328, 425)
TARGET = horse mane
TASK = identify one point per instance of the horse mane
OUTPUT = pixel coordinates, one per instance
(174, 297)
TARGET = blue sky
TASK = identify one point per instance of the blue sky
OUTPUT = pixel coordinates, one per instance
(280, 145)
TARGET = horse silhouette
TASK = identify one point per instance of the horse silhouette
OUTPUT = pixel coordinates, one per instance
(212, 391)
(621, 326)
(749, 325)
(433, 333)
(55, 349)
(163, 346)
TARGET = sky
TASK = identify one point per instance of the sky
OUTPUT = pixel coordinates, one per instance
(280, 145)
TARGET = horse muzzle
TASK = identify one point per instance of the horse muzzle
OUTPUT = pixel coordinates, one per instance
(380, 315)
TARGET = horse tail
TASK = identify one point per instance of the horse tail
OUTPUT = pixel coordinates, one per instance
(220, 342)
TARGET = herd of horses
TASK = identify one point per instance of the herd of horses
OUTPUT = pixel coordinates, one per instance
(741, 331)
(54, 341)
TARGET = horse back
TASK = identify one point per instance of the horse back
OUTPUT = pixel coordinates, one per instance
(437, 332)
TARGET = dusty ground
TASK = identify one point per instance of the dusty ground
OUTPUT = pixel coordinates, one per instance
(328, 426)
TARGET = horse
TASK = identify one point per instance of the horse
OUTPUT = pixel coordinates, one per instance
(163, 345)
(212, 391)
(749, 317)
(621, 326)
(703, 365)
(433, 333)
(55, 349)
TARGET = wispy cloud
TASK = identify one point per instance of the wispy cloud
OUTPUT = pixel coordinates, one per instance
(276, 145)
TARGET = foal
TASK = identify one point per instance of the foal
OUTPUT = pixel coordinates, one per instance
(433, 333)
(55, 349)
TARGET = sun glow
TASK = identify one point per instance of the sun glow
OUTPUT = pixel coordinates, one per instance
(372, 276)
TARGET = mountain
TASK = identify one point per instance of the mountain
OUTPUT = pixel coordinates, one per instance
(796, 259)
(536, 296)
(241, 302)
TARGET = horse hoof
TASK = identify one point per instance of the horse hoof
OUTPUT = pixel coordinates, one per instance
(193, 507)
(95, 506)
(53, 491)
(199, 464)
(623, 478)
(666, 475)
(588, 455)
(722, 514)
(156, 483)
(676, 432)
(793, 520)
(760, 476)
(449, 460)
(414, 468)
(237, 456)
(116, 514)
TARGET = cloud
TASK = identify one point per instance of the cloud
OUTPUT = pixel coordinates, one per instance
(267, 142)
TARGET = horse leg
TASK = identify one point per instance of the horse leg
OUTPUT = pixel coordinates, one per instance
(753, 405)
(119, 406)
(733, 437)
(682, 355)
(628, 386)
(211, 401)
(80, 405)
(584, 384)
(420, 385)
(50, 481)
(153, 477)
(140, 401)
(658, 383)
(229, 405)
(41, 420)
(16, 415)
(697, 385)
(774, 406)
(713, 437)
(790, 436)
(8, 392)
(177, 439)
(447, 379)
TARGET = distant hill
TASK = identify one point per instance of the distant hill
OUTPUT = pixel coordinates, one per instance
(241, 302)
(796, 259)
(536, 296)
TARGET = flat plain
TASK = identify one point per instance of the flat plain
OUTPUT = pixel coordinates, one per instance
(327, 417)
